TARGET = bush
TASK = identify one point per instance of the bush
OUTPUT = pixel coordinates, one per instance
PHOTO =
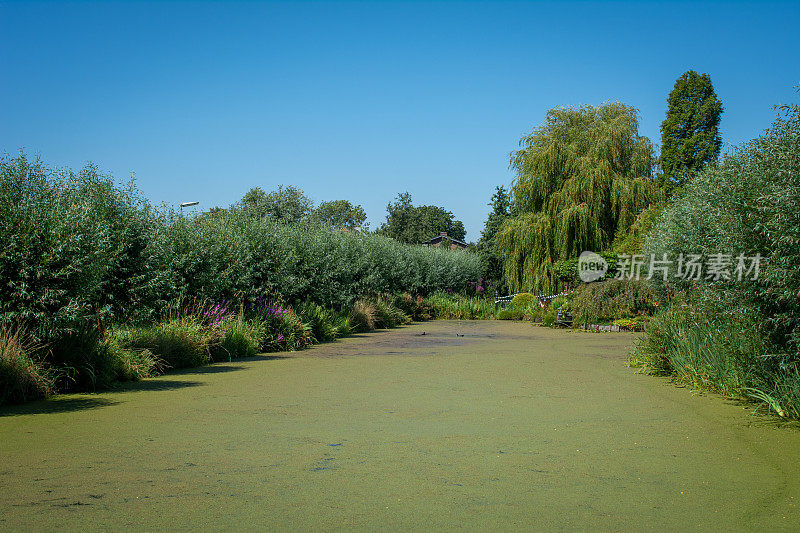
(740, 336)
(21, 378)
(535, 312)
(605, 301)
(523, 300)
(415, 307)
(241, 339)
(510, 314)
(134, 365)
(341, 324)
(748, 203)
(321, 322)
(457, 307)
(362, 316)
(704, 342)
(179, 343)
(387, 315)
(79, 251)
(558, 301)
(638, 323)
(549, 318)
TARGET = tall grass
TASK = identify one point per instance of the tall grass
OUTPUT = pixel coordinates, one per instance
(705, 343)
(456, 307)
(21, 378)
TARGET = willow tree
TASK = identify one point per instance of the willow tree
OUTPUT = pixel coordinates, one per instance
(582, 178)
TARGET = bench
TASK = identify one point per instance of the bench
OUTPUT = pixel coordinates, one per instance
(563, 319)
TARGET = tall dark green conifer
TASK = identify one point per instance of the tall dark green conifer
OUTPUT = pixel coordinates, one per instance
(690, 132)
(491, 256)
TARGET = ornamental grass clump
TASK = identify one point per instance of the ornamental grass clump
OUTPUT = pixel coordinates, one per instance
(179, 342)
(281, 328)
(241, 338)
(21, 377)
(320, 320)
(452, 306)
(387, 315)
(362, 316)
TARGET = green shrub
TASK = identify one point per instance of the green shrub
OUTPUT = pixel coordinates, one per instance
(341, 323)
(179, 343)
(609, 300)
(523, 300)
(321, 321)
(85, 360)
(535, 312)
(558, 301)
(511, 314)
(549, 318)
(134, 365)
(449, 306)
(740, 337)
(387, 315)
(362, 316)
(748, 203)
(415, 307)
(638, 323)
(241, 339)
(81, 251)
(21, 378)
(704, 342)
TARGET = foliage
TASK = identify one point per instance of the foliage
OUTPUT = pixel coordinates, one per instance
(632, 241)
(566, 271)
(241, 338)
(362, 316)
(179, 343)
(740, 335)
(748, 204)
(77, 252)
(21, 377)
(523, 300)
(414, 307)
(605, 301)
(451, 306)
(490, 255)
(511, 314)
(690, 136)
(638, 323)
(387, 315)
(340, 214)
(703, 341)
(415, 224)
(72, 249)
(320, 320)
(582, 178)
(288, 204)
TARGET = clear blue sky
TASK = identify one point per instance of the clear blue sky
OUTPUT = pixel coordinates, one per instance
(202, 101)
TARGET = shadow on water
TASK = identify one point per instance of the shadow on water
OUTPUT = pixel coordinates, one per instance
(152, 384)
(68, 403)
(55, 405)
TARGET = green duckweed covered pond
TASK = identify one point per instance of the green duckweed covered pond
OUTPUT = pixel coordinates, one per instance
(477, 425)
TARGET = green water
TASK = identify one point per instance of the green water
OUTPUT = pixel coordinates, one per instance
(507, 427)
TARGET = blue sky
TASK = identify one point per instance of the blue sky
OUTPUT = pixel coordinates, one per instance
(202, 101)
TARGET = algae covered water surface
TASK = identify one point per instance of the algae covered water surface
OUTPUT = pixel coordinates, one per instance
(442, 425)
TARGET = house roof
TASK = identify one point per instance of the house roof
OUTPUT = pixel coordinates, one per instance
(442, 236)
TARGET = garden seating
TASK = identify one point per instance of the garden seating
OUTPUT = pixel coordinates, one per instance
(563, 319)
